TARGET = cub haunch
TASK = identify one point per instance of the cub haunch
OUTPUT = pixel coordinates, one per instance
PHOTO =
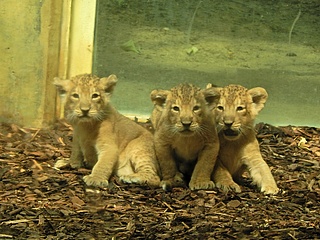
(239, 148)
(186, 140)
(103, 139)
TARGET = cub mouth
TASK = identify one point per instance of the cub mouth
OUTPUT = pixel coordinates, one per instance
(84, 118)
(186, 131)
(230, 133)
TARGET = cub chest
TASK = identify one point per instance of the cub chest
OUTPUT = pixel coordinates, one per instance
(86, 136)
(232, 156)
(187, 148)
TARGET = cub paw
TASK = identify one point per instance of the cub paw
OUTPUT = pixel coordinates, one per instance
(62, 163)
(270, 189)
(130, 179)
(137, 178)
(231, 186)
(176, 181)
(76, 165)
(197, 185)
(95, 181)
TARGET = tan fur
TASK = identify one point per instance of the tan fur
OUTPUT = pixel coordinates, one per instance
(239, 148)
(186, 140)
(103, 138)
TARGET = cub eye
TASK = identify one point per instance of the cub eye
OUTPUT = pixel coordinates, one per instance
(240, 108)
(176, 108)
(62, 91)
(221, 108)
(75, 95)
(95, 95)
(196, 108)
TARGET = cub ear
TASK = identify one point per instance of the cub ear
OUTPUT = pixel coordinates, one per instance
(63, 86)
(210, 85)
(211, 95)
(108, 83)
(159, 97)
(259, 96)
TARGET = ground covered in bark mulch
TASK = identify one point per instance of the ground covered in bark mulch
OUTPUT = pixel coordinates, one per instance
(40, 202)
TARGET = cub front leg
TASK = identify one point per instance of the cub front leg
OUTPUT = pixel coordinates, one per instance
(170, 175)
(90, 155)
(142, 160)
(104, 168)
(223, 179)
(201, 176)
(259, 169)
(76, 158)
(261, 175)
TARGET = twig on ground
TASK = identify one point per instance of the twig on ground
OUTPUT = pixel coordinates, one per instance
(293, 24)
(191, 22)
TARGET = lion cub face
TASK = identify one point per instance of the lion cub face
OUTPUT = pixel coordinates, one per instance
(237, 109)
(85, 97)
(183, 106)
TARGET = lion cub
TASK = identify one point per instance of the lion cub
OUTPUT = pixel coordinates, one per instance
(186, 140)
(239, 148)
(103, 138)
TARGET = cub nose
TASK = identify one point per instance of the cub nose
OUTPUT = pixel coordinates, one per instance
(186, 124)
(228, 124)
(85, 111)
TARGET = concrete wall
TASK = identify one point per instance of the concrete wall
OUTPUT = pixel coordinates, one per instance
(29, 42)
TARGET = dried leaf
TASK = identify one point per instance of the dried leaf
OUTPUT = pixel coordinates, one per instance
(77, 202)
(234, 203)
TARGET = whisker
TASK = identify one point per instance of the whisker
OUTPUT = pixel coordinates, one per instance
(219, 127)
(171, 129)
(242, 131)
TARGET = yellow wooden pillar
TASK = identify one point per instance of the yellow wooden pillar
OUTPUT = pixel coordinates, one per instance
(29, 42)
(40, 40)
(77, 38)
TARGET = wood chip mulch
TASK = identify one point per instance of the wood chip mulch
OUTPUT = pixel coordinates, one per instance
(40, 202)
